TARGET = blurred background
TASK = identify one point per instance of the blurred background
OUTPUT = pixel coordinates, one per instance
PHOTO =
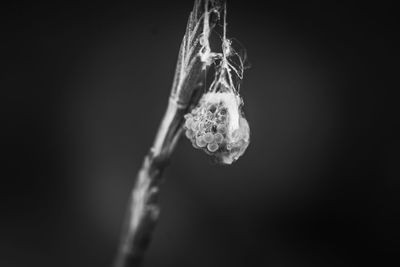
(85, 87)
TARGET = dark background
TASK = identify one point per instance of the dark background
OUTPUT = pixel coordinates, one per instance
(86, 85)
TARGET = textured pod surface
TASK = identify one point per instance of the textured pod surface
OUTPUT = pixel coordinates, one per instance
(218, 127)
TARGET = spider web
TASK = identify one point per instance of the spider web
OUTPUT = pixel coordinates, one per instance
(196, 55)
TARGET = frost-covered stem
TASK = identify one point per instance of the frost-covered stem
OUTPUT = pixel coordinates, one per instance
(194, 58)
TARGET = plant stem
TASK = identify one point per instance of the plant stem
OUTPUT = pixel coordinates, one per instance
(143, 209)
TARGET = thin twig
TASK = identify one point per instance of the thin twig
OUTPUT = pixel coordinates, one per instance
(194, 58)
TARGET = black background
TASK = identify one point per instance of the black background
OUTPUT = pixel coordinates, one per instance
(85, 86)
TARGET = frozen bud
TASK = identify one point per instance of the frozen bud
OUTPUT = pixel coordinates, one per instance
(217, 125)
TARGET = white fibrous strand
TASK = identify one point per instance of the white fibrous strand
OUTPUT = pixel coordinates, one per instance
(217, 124)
